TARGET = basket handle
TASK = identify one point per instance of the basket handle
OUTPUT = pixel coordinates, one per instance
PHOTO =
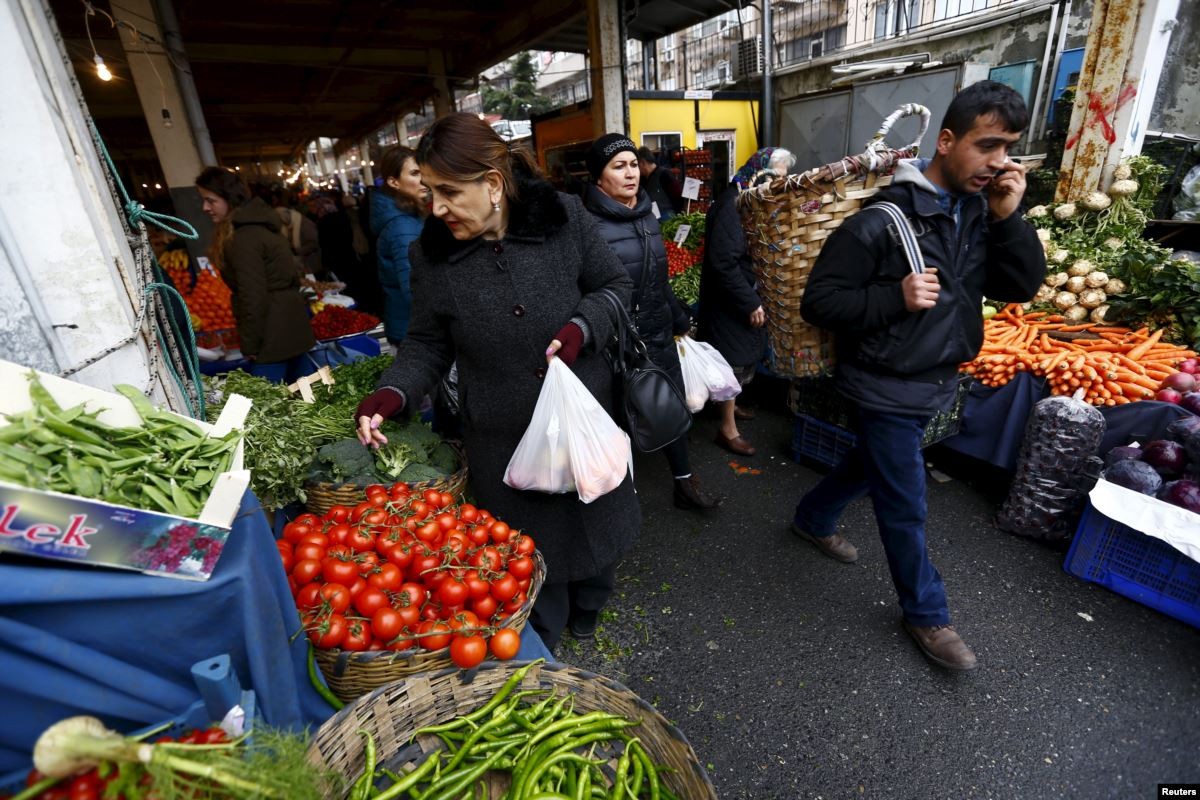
(906, 110)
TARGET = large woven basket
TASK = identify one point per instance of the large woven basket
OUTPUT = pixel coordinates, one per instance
(788, 220)
(352, 674)
(392, 714)
(322, 496)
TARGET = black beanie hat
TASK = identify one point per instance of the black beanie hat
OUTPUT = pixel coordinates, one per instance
(603, 150)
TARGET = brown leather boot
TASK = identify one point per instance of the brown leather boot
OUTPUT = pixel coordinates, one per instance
(689, 496)
(942, 645)
(833, 546)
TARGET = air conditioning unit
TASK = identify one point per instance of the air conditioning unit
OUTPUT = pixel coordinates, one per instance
(746, 58)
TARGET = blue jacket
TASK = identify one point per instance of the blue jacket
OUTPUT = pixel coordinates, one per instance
(394, 231)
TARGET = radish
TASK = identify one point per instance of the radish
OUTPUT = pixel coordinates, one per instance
(1180, 381)
(1191, 366)
(1168, 396)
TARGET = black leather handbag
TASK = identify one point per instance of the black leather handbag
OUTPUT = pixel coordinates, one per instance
(648, 404)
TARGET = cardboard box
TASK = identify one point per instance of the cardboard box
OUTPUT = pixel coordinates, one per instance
(67, 527)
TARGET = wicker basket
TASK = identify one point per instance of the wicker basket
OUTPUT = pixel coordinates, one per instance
(353, 674)
(788, 220)
(321, 496)
(394, 712)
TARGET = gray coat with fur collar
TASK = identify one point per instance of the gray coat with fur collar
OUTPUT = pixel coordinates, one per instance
(494, 307)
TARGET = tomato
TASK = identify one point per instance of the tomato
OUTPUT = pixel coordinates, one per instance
(478, 535)
(307, 551)
(374, 517)
(465, 623)
(468, 513)
(370, 600)
(295, 531)
(357, 586)
(337, 596)
(430, 533)
(432, 497)
(505, 643)
(500, 532)
(410, 616)
(388, 577)
(432, 610)
(456, 548)
(339, 533)
(504, 587)
(523, 545)
(360, 511)
(337, 514)
(386, 623)
(467, 652)
(439, 635)
(306, 571)
(487, 558)
(287, 560)
(358, 635)
(453, 592)
(378, 498)
(420, 509)
(412, 594)
(446, 521)
(514, 605)
(401, 555)
(329, 632)
(339, 570)
(521, 567)
(445, 500)
(422, 565)
(477, 585)
(485, 607)
(401, 644)
(399, 491)
(309, 596)
(315, 538)
(309, 519)
(368, 563)
(360, 540)
(340, 551)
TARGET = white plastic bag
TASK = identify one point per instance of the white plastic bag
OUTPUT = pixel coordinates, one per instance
(706, 374)
(571, 442)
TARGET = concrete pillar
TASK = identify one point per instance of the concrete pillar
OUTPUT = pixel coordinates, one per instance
(364, 153)
(163, 107)
(606, 55)
(1122, 64)
(443, 98)
(401, 131)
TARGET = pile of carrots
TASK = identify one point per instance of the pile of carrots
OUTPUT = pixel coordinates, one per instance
(1113, 365)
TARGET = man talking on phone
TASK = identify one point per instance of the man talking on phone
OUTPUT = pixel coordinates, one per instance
(900, 335)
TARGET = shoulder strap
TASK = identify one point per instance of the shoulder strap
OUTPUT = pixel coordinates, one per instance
(296, 223)
(904, 229)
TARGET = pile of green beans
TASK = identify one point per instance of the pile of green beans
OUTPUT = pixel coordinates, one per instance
(547, 748)
(167, 464)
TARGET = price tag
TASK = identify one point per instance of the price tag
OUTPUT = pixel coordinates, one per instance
(682, 233)
(691, 188)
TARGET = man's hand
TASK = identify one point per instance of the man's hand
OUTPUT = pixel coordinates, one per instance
(758, 318)
(921, 289)
(1006, 190)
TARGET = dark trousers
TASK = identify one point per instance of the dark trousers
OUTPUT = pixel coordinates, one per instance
(886, 464)
(557, 603)
(677, 457)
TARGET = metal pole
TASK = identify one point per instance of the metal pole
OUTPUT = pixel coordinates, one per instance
(183, 76)
(647, 83)
(767, 135)
(1044, 79)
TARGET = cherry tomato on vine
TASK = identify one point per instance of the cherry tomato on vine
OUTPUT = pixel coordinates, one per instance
(468, 651)
(505, 643)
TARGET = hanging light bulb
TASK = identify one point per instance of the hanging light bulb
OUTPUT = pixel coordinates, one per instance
(102, 69)
(166, 117)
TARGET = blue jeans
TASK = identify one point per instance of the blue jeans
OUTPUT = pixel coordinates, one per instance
(886, 464)
(288, 371)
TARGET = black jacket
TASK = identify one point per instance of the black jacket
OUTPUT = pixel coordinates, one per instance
(891, 359)
(664, 190)
(634, 235)
(728, 287)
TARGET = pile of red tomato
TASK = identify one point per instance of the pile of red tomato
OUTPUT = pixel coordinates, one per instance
(403, 570)
(680, 259)
(91, 786)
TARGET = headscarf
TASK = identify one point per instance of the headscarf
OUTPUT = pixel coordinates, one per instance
(756, 163)
(604, 149)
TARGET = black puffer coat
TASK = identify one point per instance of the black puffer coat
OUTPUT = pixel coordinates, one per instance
(728, 287)
(657, 313)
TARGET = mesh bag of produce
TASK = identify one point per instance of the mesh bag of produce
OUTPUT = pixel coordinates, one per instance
(1055, 470)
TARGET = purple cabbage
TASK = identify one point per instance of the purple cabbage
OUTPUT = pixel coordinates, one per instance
(1168, 457)
(1135, 475)
(1191, 401)
(1122, 454)
(1180, 428)
(1182, 493)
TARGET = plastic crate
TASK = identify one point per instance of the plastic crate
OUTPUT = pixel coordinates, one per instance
(819, 442)
(1135, 565)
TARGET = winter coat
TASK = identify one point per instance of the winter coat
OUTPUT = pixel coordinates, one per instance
(891, 359)
(395, 230)
(665, 191)
(729, 287)
(657, 313)
(494, 307)
(258, 266)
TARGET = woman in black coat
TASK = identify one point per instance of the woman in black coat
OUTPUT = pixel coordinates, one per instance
(504, 267)
(623, 214)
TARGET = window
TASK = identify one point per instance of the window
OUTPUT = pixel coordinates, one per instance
(662, 142)
(897, 17)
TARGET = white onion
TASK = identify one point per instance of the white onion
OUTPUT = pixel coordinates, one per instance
(1123, 172)
(1037, 212)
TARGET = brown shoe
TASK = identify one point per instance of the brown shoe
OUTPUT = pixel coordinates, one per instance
(833, 546)
(737, 445)
(742, 413)
(689, 496)
(942, 645)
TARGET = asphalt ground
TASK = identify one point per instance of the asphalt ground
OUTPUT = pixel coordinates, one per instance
(791, 676)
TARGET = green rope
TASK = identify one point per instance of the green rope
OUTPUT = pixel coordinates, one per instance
(193, 357)
(135, 211)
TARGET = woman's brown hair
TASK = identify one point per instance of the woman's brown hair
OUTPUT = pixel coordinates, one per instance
(391, 165)
(465, 148)
(226, 184)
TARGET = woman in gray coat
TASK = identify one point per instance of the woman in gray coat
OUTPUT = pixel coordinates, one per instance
(507, 273)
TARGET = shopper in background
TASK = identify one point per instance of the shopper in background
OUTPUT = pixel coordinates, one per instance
(339, 256)
(258, 265)
(396, 214)
(506, 274)
(625, 220)
(731, 317)
(659, 183)
(299, 231)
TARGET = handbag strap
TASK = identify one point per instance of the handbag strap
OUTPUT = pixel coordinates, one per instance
(904, 230)
(628, 339)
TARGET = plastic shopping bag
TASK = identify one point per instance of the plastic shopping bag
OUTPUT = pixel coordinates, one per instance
(706, 374)
(571, 442)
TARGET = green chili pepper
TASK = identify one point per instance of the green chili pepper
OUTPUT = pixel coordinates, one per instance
(451, 785)
(411, 779)
(362, 787)
(487, 708)
(319, 684)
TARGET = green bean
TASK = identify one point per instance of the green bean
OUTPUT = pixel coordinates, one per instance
(411, 779)
(362, 787)
(24, 456)
(38, 395)
(73, 431)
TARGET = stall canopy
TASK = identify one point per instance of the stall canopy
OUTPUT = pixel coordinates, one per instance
(273, 76)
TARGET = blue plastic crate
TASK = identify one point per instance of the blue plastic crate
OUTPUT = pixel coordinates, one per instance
(819, 442)
(1135, 565)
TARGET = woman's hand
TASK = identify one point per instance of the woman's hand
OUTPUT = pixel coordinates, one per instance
(758, 317)
(566, 344)
(372, 411)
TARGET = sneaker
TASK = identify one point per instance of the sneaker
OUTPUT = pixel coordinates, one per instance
(833, 546)
(689, 496)
(942, 645)
(583, 625)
